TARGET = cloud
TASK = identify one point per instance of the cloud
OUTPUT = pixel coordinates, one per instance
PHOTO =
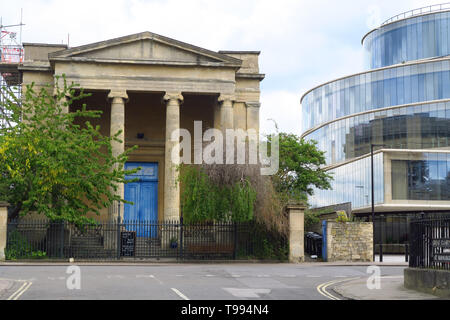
(303, 43)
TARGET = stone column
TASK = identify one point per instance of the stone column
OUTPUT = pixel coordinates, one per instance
(118, 100)
(3, 228)
(296, 232)
(172, 157)
(226, 111)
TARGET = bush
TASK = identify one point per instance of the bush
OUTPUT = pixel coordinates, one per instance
(19, 248)
(203, 200)
(342, 217)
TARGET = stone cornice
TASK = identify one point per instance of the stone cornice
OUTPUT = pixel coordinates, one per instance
(145, 62)
(256, 76)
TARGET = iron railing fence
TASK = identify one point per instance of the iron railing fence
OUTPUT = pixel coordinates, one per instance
(430, 243)
(129, 239)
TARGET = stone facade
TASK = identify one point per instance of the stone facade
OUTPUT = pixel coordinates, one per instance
(149, 85)
(351, 241)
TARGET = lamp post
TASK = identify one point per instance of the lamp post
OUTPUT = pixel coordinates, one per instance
(373, 194)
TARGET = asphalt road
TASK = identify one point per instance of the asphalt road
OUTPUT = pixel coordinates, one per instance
(179, 281)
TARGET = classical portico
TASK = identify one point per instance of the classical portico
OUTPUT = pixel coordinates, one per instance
(148, 86)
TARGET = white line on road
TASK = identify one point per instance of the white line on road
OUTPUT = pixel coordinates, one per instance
(180, 294)
(153, 277)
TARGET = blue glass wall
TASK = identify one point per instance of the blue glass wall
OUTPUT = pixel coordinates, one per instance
(414, 127)
(425, 179)
(352, 183)
(375, 90)
(416, 38)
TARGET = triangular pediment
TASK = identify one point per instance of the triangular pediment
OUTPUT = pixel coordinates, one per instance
(145, 47)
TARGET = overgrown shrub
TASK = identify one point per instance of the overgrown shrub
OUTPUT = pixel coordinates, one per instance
(19, 248)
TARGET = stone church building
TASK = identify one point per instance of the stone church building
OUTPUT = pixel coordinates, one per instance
(149, 85)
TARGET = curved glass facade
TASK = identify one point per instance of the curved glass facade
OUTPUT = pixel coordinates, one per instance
(416, 38)
(404, 107)
(422, 179)
(352, 183)
(423, 126)
(375, 90)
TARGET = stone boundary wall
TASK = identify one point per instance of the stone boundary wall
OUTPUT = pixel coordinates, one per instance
(350, 241)
(436, 282)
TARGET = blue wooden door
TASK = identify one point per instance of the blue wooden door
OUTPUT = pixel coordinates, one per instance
(142, 216)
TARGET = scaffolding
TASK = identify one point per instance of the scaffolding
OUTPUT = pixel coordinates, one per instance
(11, 56)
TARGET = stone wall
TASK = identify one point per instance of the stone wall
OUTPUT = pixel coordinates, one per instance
(351, 241)
(430, 281)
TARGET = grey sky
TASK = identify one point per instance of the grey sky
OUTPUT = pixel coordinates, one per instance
(303, 42)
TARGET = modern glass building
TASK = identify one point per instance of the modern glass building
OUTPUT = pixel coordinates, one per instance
(401, 103)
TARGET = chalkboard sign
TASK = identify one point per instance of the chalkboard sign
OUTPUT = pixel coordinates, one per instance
(127, 243)
(441, 250)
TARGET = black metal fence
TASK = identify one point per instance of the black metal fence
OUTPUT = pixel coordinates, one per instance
(40, 239)
(430, 243)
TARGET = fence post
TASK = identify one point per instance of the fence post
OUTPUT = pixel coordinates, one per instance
(296, 232)
(181, 237)
(235, 241)
(61, 240)
(118, 235)
(3, 228)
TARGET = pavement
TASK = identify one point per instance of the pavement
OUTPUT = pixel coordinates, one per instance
(391, 288)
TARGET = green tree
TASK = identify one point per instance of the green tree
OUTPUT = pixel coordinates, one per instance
(203, 199)
(51, 165)
(300, 168)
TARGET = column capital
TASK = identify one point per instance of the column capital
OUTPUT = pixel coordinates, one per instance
(253, 104)
(173, 96)
(118, 94)
(226, 97)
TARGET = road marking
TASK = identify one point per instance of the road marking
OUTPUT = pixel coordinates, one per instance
(322, 288)
(263, 276)
(180, 294)
(313, 276)
(210, 275)
(235, 276)
(23, 291)
(153, 277)
(25, 286)
(246, 293)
